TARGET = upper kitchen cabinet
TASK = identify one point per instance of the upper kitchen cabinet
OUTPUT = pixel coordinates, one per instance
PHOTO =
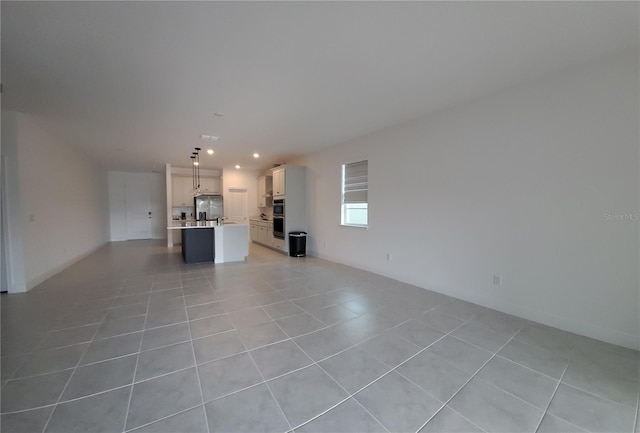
(182, 188)
(210, 185)
(278, 182)
(265, 186)
(286, 177)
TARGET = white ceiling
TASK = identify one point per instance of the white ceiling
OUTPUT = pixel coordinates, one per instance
(134, 84)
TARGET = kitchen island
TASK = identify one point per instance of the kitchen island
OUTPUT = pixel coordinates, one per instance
(206, 241)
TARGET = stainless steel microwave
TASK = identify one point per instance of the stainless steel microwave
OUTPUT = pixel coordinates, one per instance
(278, 208)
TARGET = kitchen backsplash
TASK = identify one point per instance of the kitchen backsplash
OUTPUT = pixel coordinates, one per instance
(267, 211)
(176, 212)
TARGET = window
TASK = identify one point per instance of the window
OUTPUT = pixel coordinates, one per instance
(355, 186)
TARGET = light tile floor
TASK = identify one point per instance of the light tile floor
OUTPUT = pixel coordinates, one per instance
(131, 339)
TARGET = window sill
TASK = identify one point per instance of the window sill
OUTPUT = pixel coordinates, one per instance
(355, 226)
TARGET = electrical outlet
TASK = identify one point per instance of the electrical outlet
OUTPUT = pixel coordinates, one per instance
(497, 279)
(389, 256)
(324, 244)
(32, 217)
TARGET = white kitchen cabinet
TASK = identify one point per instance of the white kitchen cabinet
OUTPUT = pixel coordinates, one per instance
(265, 186)
(261, 232)
(270, 235)
(262, 236)
(182, 190)
(253, 231)
(278, 244)
(210, 185)
(278, 182)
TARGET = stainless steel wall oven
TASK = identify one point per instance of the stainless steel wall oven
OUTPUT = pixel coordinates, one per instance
(278, 218)
(278, 227)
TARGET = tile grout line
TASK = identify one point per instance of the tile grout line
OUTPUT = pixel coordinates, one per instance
(80, 398)
(546, 410)
(69, 379)
(461, 416)
(195, 363)
(236, 392)
(372, 415)
(135, 369)
(493, 355)
(636, 423)
(41, 374)
(394, 369)
(27, 354)
(162, 419)
(262, 376)
(316, 364)
(29, 409)
(608, 400)
(527, 367)
(349, 395)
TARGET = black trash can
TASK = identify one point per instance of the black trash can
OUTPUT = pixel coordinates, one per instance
(297, 244)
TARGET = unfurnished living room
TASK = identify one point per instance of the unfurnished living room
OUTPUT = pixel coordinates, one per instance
(320, 216)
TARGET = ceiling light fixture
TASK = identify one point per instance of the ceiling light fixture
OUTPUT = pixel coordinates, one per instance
(256, 155)
(237, 166)
(209, 137)
(210, 151)
(218, 114)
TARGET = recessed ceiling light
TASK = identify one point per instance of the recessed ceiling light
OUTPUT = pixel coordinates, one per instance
(196, 163)
(210, 151)
(209, 137)
(256, 155)
(237, 166)
(218, 114)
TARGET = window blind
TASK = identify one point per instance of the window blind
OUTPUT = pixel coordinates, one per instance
(356, 182)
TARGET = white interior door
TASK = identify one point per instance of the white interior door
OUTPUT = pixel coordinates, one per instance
(235, 205)
(138, 207)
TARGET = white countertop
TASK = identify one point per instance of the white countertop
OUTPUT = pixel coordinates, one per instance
(181, 225)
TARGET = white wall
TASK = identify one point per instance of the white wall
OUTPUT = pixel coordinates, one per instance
(63, 198)
(158, 206)
(117, 207)
(13, 278)
(517, 184)
(117, 183)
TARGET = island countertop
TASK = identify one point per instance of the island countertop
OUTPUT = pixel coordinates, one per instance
(181, 225)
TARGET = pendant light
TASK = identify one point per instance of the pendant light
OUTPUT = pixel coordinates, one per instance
(198, 168)
(193, 171)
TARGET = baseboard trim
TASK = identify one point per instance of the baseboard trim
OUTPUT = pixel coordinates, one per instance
(61, 267)
(608, 335)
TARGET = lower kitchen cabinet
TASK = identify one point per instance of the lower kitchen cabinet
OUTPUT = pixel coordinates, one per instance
(278, 244)
(253, 231)
(262, 236)
(198, 245)
(261, 232)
